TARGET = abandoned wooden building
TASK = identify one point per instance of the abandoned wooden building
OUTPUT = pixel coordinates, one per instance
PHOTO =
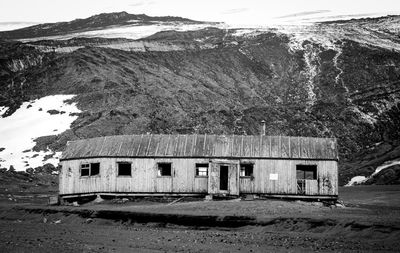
(188, 165)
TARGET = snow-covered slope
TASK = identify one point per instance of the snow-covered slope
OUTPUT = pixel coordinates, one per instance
(356, 180)
(34, 119)
(362, 179)
(128, 32)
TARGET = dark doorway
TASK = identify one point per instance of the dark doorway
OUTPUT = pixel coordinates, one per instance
(223, 178)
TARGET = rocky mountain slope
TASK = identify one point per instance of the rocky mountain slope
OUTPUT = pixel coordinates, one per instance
(337, 79)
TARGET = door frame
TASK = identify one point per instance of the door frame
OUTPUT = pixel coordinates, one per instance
(214, 177)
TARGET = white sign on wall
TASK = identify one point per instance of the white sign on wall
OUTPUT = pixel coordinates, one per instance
(273, 176)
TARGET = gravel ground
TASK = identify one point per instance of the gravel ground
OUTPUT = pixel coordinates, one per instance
(369, 223)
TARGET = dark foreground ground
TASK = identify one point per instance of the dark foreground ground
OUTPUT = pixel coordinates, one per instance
(370, 222)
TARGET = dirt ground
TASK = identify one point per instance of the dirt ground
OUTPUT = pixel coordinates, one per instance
(370, 222)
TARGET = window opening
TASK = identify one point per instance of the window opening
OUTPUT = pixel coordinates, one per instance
(246, 169)
(94, 169)
(90, 169)
(201, 169)
(124, 169)
(164, 169)
(306, 172)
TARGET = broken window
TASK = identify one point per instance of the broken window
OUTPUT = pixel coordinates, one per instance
(201, 169)
(85, 170)
(164, 169)
(246, 169)
(306, 172)
(124, 169)
(90, 169)
(94, 169)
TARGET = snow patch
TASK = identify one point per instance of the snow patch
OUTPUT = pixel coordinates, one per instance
(31, 120)
(130, 32)
(50, 49)
(385, 165)
(245, 33)
(335, 63)
(245, 53)
(329, 41)
(366, 117)
(312, 62)
(361, 179)
(356, 180)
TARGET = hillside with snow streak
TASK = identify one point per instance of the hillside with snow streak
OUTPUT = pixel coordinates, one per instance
(49, 115)
(337, 79)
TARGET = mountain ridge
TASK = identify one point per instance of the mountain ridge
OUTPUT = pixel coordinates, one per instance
(224, 81)
(91, 23)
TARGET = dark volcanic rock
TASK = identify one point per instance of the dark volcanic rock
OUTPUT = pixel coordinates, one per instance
(48, 168)
(52, 112)
(224, 84)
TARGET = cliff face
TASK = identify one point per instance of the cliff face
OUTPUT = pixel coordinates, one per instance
(225, 81)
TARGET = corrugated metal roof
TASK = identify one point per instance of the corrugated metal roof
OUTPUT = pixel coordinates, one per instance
(196, 145)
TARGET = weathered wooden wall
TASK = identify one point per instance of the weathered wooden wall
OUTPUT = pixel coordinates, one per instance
(287, 182)
(144, 177)
(145, 180)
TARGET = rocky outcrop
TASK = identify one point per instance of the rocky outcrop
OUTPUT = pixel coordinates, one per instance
(16, 65)
(134, 46)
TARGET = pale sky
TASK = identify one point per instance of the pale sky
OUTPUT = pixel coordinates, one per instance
(260, 12)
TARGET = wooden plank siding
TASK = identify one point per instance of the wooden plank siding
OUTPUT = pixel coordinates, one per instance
(144, 177)
(311, 187)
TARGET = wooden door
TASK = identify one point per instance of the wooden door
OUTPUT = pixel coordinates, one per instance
(223, 178)
(233, 184)
(213, 179)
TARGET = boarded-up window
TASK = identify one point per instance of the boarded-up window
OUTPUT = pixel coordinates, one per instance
(124, 169)
(246, 169)
(306, 172)
(90, 169)
(201, 169)
(164, 169)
